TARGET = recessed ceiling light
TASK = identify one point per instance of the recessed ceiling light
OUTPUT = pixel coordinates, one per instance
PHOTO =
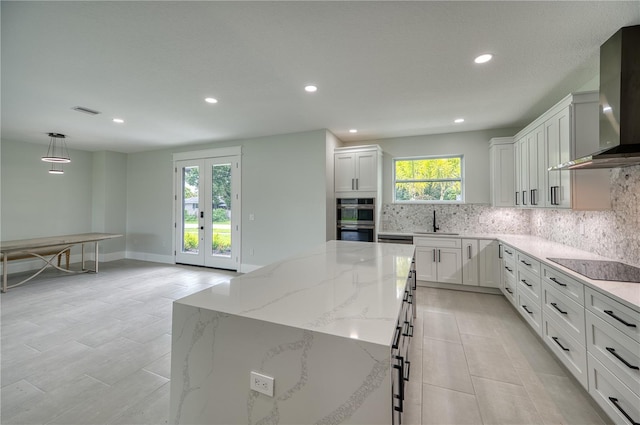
(353, 130)
(311, 88)
(483, 58)
(458, 120)
(211, 100)
(118, 120)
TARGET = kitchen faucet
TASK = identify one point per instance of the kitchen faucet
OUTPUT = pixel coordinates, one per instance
(435, 228)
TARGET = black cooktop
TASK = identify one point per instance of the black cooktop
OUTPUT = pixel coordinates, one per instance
(601, 270)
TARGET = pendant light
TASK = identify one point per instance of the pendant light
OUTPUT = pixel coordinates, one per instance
(57, 154)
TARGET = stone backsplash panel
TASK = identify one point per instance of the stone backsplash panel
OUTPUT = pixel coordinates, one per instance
(614, 234)
(459, 218)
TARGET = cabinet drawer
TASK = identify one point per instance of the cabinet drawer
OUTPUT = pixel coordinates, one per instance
(437, 242)
(510, 289)
(565, 284)
(611, 311)
(619, 353)
(509, 269)
(508, 253)
(568, 314)
(571, 353)
(530, 311)
(622, 405)
(527, 263)
(529, 283)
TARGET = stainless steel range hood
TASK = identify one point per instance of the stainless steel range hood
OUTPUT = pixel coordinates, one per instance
(619, 104)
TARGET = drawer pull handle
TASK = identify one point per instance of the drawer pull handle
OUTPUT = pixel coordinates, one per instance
(508, 252)
(509, 290)
(555, 338)
(553, 279)
(617, 356)
(526, 283)
(525, 263)
(610, 313)
(508, 269)
(615, 403)
(396, 339)
(526, 309)
(557, 308)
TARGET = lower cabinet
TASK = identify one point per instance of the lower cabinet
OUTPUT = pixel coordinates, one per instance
(439, 259)
(596, 337)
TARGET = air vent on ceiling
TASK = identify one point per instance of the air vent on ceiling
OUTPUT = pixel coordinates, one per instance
(85, 110)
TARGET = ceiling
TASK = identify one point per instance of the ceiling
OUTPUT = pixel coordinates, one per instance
(388, 69)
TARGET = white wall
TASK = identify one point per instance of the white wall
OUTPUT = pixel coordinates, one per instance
(88, 197)
(474, 145)
(36, 203)
(283, 186)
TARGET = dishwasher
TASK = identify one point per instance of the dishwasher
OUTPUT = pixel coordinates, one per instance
(402, 239)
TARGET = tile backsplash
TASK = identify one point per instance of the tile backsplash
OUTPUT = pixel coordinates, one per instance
(614, 233)
(464, 218)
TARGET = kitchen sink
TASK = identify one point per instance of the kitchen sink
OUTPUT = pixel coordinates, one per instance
(437, 233)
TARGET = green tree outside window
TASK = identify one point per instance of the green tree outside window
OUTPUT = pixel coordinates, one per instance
(429, 179)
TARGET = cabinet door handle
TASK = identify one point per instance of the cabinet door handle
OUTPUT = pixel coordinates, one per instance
(469, 249)
(555, 338)
(434, 256)
(558, 308)
(439, 257)
(617, 356)
(517, 193)
(408, 363)
(400, 396)
(526, 283)
(524, 202)
(526, 309)
(357, 184)
(629, 418)
(553, 279)
(500, 248)
(610, 313)
(532, 194)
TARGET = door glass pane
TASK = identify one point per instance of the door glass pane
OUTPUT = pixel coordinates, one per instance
(221, 209)
(190, 209)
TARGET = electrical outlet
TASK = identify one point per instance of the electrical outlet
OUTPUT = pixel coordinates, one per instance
(261, 383)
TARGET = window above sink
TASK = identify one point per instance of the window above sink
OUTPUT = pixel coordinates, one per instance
(429, 179)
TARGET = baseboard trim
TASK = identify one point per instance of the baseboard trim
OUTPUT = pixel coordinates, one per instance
(455, 287)
(155, 258)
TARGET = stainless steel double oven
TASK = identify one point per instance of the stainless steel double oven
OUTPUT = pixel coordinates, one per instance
(356, 219)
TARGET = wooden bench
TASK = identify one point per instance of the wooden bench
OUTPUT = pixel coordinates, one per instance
(53, 250)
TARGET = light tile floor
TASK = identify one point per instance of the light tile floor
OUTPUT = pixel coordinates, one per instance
(95, 349)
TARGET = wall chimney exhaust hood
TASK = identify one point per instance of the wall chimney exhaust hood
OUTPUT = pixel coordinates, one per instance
(619, 104)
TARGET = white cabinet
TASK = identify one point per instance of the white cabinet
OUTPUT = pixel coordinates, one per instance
(470, 262)
(489, 263)
(481, 263)
(566, 131)
(358, 170)
(438, 259)
(501, 158)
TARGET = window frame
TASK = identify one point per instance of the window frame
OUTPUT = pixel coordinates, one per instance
(417, 158)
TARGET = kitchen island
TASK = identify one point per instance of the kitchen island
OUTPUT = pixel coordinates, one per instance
(331, 326)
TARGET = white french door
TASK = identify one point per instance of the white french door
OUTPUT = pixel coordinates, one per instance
(208, 212)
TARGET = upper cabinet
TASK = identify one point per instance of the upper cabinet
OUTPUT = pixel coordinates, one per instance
(566, 131)
(502, 171)
(358, 171)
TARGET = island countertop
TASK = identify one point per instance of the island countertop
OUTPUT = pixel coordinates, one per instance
(347, 289)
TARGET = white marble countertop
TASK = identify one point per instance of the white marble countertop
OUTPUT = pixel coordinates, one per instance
(627, 293)
(346, 289)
